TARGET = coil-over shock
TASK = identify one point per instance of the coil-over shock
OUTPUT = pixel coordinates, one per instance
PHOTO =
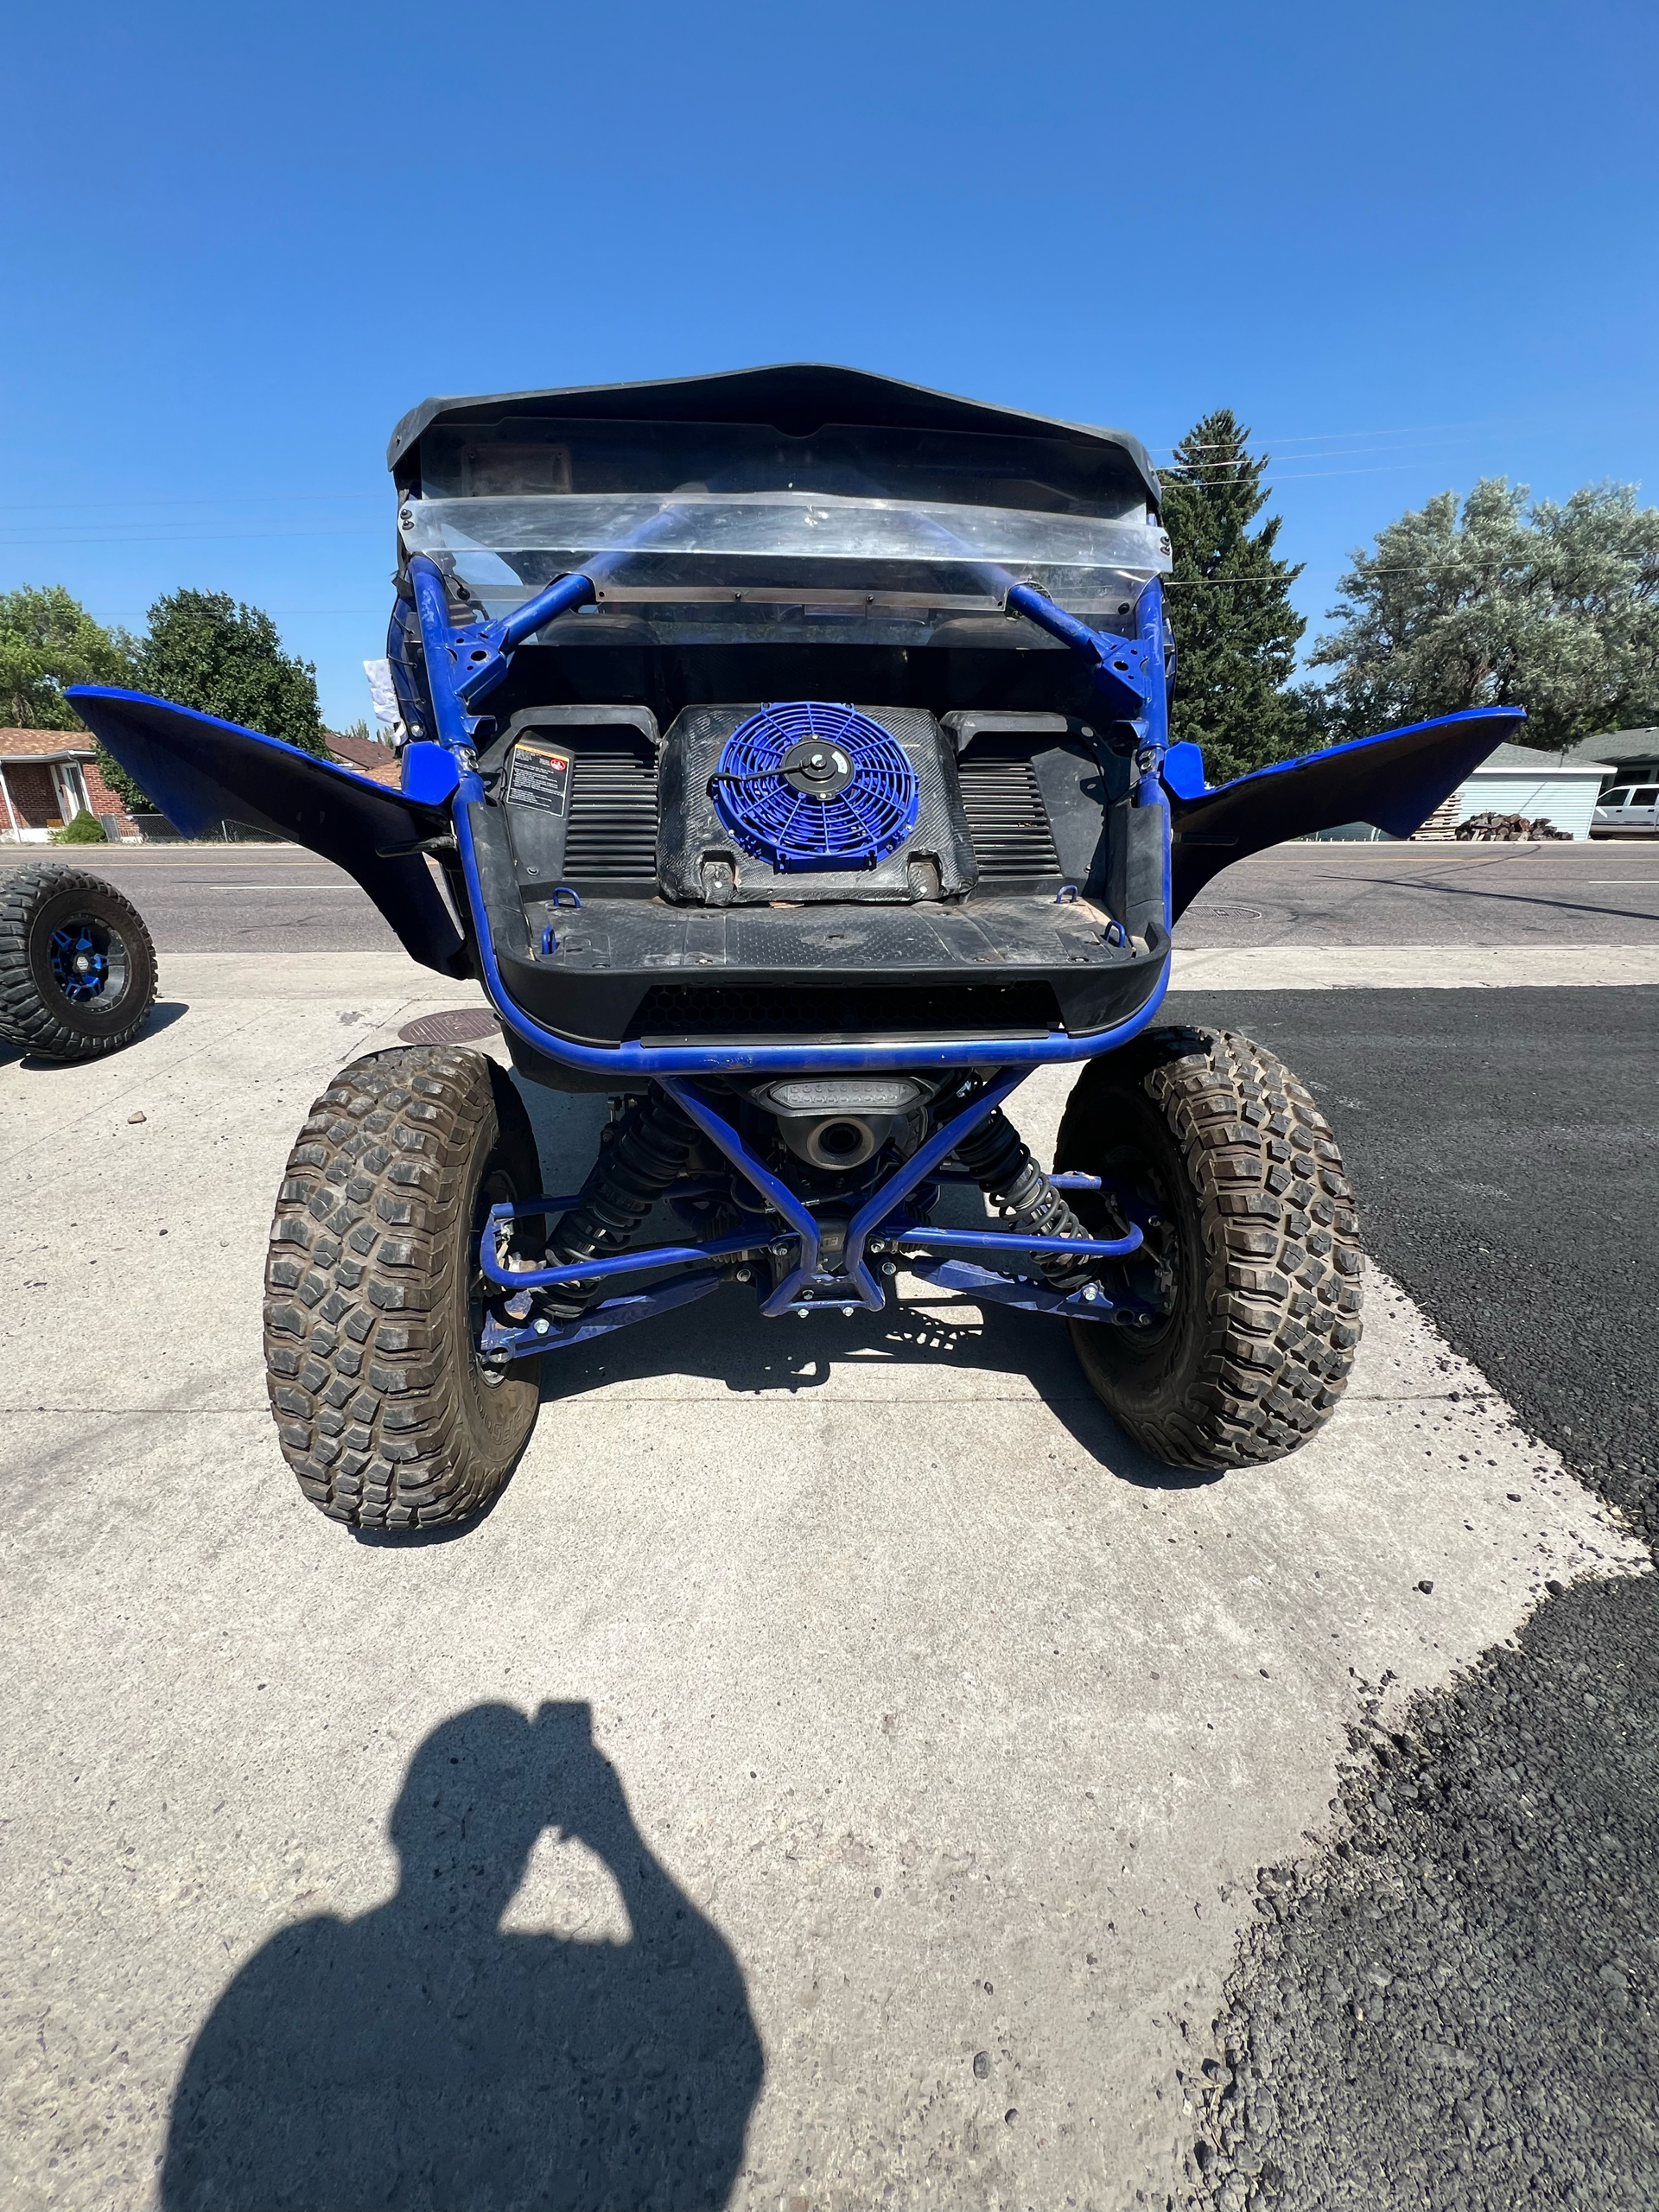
(642, 1156)
(1000, 1161)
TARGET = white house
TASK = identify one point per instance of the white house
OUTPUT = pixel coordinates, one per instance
(1520, 780)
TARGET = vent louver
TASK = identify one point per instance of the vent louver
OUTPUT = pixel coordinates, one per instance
(612, 834)
(1006, 818)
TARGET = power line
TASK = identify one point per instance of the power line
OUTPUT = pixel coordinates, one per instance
(276, 614)
(1297, 476)
(1242, 457)
(1404, 430)
(1405, 569)
(177, 538)
(223, 500)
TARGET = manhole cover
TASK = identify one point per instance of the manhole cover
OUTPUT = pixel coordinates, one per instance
(1205, 910)
(459, 1025)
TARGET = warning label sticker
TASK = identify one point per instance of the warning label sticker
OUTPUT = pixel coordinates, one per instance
(540, 776)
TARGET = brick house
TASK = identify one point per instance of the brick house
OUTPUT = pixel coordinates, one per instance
(367, 755)
(46, 778)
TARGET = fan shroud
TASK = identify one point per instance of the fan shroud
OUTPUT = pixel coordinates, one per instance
(805, 785)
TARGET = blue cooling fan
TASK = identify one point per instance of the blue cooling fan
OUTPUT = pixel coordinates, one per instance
(805, 786)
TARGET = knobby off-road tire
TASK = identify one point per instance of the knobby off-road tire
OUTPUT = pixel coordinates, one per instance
(77, 967)
(1256, 1254)
(384, 1412)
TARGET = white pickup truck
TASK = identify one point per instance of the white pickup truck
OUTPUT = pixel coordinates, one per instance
(1627, 811)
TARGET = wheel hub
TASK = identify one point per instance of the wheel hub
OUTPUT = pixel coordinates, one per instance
(88, 960)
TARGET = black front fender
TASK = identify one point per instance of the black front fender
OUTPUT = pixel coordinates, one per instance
(1393, 781)
(201, 772)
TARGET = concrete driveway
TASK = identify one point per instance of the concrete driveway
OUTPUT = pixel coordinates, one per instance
(951, 1734)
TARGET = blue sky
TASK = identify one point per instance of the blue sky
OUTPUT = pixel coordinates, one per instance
(1412, 244)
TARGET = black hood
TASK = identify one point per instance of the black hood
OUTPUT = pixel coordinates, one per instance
(797, 398)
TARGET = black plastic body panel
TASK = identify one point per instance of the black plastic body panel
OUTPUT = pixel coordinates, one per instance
(1037, 788)
(578, 785)
(796, 397)
(1020, 964)
(995, 668)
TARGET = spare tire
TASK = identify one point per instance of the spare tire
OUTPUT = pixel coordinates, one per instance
(77, 967)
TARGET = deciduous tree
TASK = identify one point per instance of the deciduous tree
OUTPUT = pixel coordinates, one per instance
(47, 641)
(1503, 600)
(203, 649)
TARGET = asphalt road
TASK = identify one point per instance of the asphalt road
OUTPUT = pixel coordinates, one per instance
(277, 898)
(1438, 894)
(266, 898)
(1459, 2004)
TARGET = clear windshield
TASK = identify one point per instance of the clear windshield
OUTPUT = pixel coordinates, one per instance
(790, 525)
(678, 513)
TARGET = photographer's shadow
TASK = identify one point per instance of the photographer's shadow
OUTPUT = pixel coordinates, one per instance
(423, 2057)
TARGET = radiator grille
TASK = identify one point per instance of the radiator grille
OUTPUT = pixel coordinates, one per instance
(613, 835)
(1006, 818)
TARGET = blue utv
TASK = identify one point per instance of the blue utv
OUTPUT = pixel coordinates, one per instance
(786, 754)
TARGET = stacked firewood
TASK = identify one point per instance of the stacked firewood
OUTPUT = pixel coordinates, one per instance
(1508, 828)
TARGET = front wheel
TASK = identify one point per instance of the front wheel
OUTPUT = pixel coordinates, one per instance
(77, 967)
(1251, 1268)
(374, 1299)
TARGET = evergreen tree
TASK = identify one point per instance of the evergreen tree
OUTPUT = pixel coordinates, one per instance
(1235, 630)
(205, 651)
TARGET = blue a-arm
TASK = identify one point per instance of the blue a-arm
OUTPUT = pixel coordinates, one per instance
(1395, 781)
(200, 771)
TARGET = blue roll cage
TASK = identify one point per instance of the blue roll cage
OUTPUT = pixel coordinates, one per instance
(463, 666)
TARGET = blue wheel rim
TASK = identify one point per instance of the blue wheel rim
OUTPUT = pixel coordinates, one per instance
(89, 961)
